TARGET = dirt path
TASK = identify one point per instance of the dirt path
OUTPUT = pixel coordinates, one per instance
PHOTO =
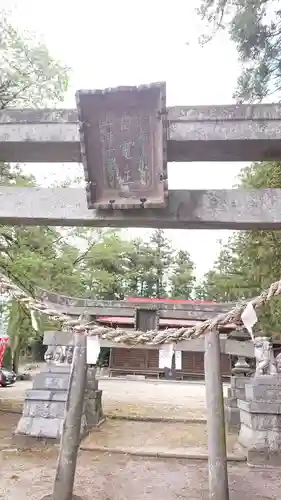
(8, 423)
(153, 398)
(153, 436)
(129, 434)
(29, 475)
(106, 477)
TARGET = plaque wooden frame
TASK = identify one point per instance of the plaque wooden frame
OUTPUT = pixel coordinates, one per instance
(123, 136)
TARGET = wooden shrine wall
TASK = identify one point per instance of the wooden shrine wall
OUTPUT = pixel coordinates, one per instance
(145, 362)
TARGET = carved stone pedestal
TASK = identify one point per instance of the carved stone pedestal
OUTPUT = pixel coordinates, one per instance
(235, 392)
(260, 413)
(44, 405)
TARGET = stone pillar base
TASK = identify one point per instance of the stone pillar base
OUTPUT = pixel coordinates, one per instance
(232, 412)
(44, 405)
(260, 414)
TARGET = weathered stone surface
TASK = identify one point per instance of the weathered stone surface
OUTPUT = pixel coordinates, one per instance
(92, 387)
(235, 392)
(237, 382)
(260, 421)
(266, 380)
(52, 368)
(238, 393)
(125, 308)
(232, 415)
(260, 406)
(44, 406)
(45, 395)
(197, 133)
(40, 427)
(266, 387)
(240, 348)
(195, 209)
(231, 402)
(261, 458)
(260, 415)
(93, 410)
(44, 409)
(51, 381)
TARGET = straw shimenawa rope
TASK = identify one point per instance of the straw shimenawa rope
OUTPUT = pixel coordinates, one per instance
(135, 337)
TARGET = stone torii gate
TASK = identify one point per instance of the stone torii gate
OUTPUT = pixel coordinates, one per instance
(203, 133)
(124, 138)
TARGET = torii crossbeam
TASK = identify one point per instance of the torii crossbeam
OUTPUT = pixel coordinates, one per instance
(248, 132)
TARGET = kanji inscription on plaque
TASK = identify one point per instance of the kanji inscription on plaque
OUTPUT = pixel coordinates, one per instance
(123, 145)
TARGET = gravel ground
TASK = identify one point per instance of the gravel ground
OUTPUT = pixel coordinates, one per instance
(29, 475)
(153, 398)
(160, 436)
(152, 435)
(119, 477)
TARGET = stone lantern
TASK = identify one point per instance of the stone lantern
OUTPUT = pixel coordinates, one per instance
(238, 381)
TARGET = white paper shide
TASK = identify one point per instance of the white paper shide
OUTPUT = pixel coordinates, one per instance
(93, 349)
(178, 360)
(249, 318)
(166, 355)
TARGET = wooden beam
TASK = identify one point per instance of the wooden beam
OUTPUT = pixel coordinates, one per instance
(191, 209)
(195, 133)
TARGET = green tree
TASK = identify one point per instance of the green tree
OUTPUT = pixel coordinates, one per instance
(114, 268)
(19, 331)
(30, 77)
(253, 257)
(227, 281)
(141, 275)
(255, 28)
(251, 260)
(105, 266)
(35, 256)
(182, 279)
(162, 256)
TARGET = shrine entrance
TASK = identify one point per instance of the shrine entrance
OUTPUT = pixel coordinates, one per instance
(124, 138)
(133, 314)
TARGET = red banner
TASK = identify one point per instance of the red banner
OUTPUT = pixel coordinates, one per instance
(3, 347)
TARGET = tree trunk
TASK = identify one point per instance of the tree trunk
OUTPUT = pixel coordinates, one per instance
(16, 359)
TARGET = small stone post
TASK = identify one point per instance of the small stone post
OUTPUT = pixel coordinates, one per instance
(218, 478)
(236, 391)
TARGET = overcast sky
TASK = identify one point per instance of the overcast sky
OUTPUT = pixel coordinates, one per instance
(124, 42)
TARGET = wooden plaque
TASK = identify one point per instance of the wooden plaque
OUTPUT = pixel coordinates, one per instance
(123, 137)
(146, 319)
